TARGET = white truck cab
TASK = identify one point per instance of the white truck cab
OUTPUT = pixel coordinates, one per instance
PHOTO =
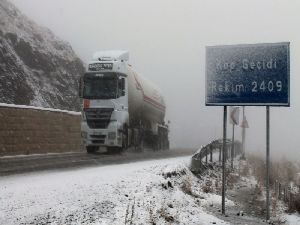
(105, 100)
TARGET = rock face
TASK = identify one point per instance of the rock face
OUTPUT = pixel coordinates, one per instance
(36, 67)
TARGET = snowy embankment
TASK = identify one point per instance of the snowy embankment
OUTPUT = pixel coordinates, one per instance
(293, 219)
(152, 192)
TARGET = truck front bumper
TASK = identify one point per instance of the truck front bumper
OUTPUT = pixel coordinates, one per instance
(101, 137)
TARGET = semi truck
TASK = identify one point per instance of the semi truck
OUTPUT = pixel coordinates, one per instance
(120, 108)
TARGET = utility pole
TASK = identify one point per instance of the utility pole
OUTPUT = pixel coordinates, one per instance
(268, 163)
(232, 147)
(234, 120)
(243, 134)
(223, 159)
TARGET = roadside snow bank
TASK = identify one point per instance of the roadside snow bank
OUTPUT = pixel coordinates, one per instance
(293, 219)
(152, 192)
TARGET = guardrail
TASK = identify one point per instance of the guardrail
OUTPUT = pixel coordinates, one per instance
(205, 155)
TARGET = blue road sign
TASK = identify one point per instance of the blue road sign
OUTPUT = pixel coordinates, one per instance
(254, 74)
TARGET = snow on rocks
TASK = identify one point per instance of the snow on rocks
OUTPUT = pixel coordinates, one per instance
(152, 192)
(39, 69)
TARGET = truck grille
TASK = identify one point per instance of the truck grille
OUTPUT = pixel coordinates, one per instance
(98, 118)
(101, 136)
(98, 141)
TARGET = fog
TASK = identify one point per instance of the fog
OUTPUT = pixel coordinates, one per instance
(167, 39)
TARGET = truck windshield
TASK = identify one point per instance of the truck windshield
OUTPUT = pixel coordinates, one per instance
(100, 86)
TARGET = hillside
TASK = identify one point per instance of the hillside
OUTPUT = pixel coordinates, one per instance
(36, 67)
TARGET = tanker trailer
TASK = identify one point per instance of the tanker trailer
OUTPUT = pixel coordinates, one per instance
(120, 108)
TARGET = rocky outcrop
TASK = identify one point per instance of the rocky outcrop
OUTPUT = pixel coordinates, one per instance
(36, 67)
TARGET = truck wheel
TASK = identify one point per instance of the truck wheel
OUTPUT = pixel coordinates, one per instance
(91, 149)
(124, 141)
(141, 145)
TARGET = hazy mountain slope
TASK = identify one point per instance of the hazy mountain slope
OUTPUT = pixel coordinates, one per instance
(36, 67)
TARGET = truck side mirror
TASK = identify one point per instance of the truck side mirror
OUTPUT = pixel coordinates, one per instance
(122, 86)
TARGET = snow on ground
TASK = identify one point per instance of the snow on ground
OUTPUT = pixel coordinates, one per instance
(293, 219)
(151, 192)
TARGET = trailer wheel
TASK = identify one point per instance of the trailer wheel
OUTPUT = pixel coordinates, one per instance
(125, 139)
(124, 144)
(91, 149)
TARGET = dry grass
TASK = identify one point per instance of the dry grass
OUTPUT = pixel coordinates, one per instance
(208, 188)
(282, 171)
(231, 180)
(294, 205)
(163, 212)
(187, 186)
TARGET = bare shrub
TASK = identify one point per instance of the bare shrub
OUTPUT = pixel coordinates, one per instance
(274, 205)
(283, 172)
(245, 171)
(166, 215)
(187, 186)
(207, 188)
(232, 179)
(258, 168)
(294, 205)
(151, 217)
(129, 214)
(218, 187)
(297, 203)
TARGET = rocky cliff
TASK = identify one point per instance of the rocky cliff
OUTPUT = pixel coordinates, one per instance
(36, 67)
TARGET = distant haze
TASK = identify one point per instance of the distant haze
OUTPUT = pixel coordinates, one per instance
(166, 41)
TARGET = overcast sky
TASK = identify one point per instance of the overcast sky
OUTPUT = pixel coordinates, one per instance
(167, 40)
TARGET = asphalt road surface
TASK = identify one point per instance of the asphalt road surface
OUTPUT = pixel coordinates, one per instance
(23, 164)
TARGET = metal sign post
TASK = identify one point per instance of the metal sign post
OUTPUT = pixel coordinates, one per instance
(268, 163)
(234, 120)
(243, 134)
(223, 159)
(244, 125)
(248, 75)
(232, 147)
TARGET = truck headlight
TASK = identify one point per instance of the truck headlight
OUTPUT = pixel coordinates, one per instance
(83, 134)
(83, 116)
(112, 135)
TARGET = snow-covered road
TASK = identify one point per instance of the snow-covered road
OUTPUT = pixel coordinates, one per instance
(148, 192)
(63, 161)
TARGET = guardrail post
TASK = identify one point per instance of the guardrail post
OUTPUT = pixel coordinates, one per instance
(220, 154)
(228, 153)
(211, 153)
(276, 188)
(290, 198)
(279, 191)
(206, 156)
(284, 194)
(200, 161)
